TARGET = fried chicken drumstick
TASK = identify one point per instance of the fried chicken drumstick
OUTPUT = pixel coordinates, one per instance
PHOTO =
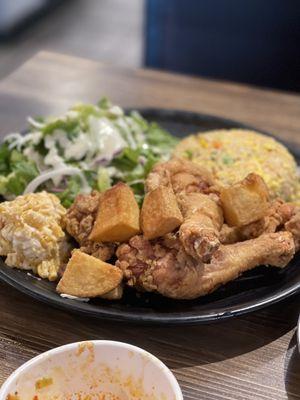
(192, 262)
(163, 265)
(199, 253)
(198, 201)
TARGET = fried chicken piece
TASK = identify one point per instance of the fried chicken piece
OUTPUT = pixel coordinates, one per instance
(230, 234)
(203, 219)
(79, 222)
(163, 265)
(103, 251)
(270, 249)
(293, 225)
(81, 216)
(198, 201)
(277, 215)
(182, 175)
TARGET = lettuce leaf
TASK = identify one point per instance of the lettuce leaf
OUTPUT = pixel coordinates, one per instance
(4, 159)
(150, 144)
(18, 173)
(103, 180)
(127, 160)
(157, 136)
(72, 189)
(68, 125)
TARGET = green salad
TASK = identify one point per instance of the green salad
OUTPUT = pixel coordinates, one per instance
(89, 147)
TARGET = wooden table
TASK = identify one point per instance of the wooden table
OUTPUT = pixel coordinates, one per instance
(251, 357)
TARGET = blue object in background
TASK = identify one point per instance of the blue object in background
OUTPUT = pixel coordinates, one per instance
(252, 41)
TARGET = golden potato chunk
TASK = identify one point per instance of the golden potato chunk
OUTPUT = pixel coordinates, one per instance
(246, 201)
(87, 276)
(115, 294)
(118, 217)
(160, 213)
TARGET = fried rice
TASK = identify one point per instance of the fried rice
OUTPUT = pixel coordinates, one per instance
(232, 154)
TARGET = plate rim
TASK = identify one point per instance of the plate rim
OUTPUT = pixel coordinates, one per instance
(158, 318)
(100, 312)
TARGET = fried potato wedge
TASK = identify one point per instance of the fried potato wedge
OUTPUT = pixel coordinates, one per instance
(160, 213)
(115, 294)
(87, 276)
(118, 217)
(246, 201)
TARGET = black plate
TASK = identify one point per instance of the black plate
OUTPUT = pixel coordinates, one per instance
(256, 289)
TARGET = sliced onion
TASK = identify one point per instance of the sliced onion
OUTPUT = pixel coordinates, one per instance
(45, 176)
(142, 160)
(103, 160)
(34, 123)
(57, 190)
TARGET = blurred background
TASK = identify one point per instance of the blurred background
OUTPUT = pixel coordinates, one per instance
(250, 41)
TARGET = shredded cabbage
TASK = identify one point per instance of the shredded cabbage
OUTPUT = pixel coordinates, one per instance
(89, 147)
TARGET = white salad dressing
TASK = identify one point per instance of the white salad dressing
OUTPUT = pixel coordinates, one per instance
(116, 111)
(78, 149)
(34, 156)
(105, 138)
(17, 140)
(53, 159)
(126, 131)
(83, 142)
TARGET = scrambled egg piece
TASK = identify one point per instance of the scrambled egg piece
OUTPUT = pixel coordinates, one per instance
(31, 234)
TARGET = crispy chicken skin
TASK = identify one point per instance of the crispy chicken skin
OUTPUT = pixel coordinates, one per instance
(181, 174)
(163, 265)
(203, 253)
(271, 249)
(79, 222)
(293, 226)
(198, 200)
(203, 219)
(278, 214)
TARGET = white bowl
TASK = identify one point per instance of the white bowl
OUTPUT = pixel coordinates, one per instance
(120, 370)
